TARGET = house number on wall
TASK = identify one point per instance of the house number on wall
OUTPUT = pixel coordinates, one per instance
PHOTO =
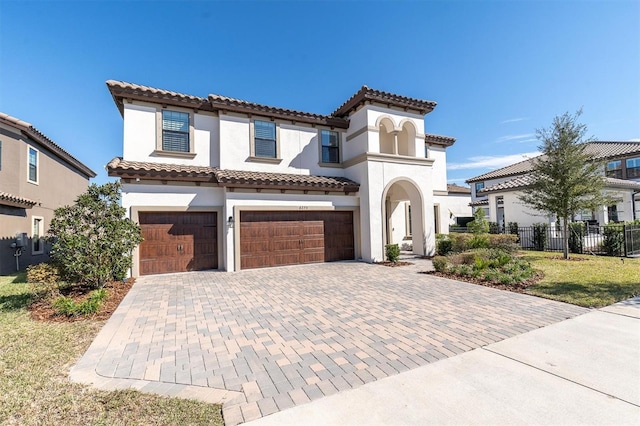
(303, 208)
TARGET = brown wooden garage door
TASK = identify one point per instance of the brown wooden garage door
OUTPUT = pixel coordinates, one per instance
(178, 242)
(289, 238)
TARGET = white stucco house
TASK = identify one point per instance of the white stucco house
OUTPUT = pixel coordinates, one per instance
(498, 191)
(221, 183)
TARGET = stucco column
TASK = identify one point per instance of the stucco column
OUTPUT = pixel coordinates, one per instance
(395, 142)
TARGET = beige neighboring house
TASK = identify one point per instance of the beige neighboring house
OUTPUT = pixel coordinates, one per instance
(36, 177)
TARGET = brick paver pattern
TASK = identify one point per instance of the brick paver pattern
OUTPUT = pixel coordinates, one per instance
(285, 336)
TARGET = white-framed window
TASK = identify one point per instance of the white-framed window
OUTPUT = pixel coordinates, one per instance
(37, 231)
(330, 146)
(32, 164)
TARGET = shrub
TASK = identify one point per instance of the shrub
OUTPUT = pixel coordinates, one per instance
(505, 242)
(513, 228)
(444, 245)
(460, 242)
(92, 240)
(479, 241)
(494, 228)
(393, 252)
(440, 263)
(613, 239)
(66, 306)
(576, 237)
(540, 236)
(44, 279)
(479, 225)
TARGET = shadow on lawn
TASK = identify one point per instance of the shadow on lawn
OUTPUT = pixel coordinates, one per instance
(14, 302)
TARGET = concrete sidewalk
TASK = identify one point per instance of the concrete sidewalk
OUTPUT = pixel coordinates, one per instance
(585, 370)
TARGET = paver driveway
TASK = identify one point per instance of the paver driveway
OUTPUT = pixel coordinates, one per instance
(265, 340)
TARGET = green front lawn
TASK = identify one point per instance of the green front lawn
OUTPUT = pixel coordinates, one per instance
(35, 359)
(592, 281)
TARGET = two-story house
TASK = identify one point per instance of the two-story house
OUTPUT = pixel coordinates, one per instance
(221, 183)
(36, 177)
(498, 191)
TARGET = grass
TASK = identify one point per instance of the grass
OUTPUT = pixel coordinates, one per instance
(35, 358)
(593, 281)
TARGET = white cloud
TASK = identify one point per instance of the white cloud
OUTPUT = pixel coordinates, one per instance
(492, 162)
(514, 120)
(515, 137)
(634, 140)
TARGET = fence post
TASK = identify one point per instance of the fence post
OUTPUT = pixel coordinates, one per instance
(624, 239)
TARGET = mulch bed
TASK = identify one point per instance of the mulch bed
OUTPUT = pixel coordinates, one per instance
(393, 264)
(116, 291)
(516, 288)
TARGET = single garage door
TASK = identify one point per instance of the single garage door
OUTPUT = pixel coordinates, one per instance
(178, 242)
(288, 238)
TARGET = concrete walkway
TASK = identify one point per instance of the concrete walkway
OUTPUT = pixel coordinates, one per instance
(262, 341)
(584, 370)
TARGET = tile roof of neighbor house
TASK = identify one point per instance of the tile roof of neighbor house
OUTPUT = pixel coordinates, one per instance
(121, 90)
(601, 150)
(229, 178)
(526, 180)
(457, 189)
(13, 200)
(36, 135)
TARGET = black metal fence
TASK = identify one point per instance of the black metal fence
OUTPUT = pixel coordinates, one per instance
(609, 240)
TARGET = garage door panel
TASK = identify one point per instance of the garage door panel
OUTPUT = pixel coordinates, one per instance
(178, 242)
(295, 237)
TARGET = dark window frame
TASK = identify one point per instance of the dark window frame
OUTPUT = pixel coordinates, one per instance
(32, 172)
(330, 153)
(173, 138)
(264, 145)
(613, 169)
(633, 171)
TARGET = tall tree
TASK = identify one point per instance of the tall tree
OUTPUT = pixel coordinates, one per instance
(566, 178)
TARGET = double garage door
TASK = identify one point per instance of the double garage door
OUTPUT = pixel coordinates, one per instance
(179, 242)
(290, 237)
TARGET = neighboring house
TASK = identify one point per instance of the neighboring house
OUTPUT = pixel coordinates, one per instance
(36, 177)
(497, 191)
(458, 204)
(221, 183)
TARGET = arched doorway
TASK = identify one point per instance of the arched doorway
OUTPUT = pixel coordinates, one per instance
(403, 216)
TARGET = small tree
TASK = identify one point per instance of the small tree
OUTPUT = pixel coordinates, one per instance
(480, 224)
(566, 179)
(92, 240)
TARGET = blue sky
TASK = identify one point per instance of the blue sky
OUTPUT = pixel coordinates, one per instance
(499, 70)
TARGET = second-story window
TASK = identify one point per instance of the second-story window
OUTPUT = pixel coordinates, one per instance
(479, 186)
(265, 139)
(33, 165)
(330, 146)
(614, 169)
(633, 168)
(175, 131)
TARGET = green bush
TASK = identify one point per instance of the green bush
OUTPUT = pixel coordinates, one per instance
(66, 306)
(494, 228)
(444, 245)
(479, 241)
(613, 239)
(92, 240)
(460, 242)
(491, 265)
(44, 279)
(393, 252)
(513, 229)
(576, 237)
(440, 263)
(505, 242)
(540, 236)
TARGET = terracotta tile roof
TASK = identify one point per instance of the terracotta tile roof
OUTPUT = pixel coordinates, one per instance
(526, 180)
(228, 178)
(600, 150)
(432, 139)
(367, 94)
(13, 200)
(121, 90)
(479, 203)
(457, 189)
(36, 135)
(235, 177)
(231, 104)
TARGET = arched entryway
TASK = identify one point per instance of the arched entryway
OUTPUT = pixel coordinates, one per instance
(403, 216)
